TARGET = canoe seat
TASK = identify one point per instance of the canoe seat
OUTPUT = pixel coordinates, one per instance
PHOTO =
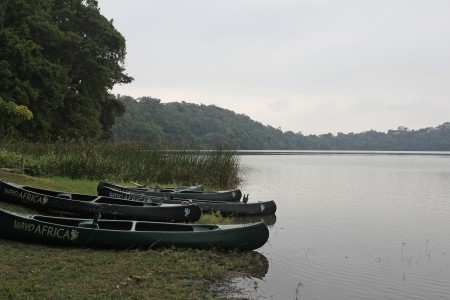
(88, 224)
(64, 195)
(199, 228)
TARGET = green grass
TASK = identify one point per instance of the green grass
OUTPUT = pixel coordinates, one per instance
(125, 162)
(38, 272)
(31, 271)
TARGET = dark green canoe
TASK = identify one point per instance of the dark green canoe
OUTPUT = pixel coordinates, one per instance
(223, 208)
(228, 195)
(89, 205)
(124, 234)
(139, 186)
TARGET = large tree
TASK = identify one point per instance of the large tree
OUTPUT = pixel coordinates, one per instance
(60, 58)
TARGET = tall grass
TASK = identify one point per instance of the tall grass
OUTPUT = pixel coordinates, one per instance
(217, 167)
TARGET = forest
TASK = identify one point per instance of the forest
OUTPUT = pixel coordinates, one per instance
(60, 59)
(147, 120)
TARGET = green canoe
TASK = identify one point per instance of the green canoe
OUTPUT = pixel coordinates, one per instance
(85, 205)
(124, 234)
(228, 195)
(198, 188)
(224, 208)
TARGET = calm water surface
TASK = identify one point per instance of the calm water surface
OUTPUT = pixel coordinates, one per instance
(352, 226)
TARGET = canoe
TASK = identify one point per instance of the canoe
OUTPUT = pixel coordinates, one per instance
(139, 186)
(225, 209)
(90, 205)
(229, 195)
(125, 234)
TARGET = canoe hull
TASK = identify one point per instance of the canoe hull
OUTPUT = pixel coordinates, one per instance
(223, 208)
(89, 205)
(227, 196)
(198, 188)
(117, 234)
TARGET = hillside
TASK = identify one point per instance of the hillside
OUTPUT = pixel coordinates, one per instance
(150, 121)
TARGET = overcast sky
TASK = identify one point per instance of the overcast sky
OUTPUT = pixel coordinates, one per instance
(314, 66)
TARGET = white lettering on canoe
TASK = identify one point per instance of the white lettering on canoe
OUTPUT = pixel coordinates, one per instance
(262, 207)
(73, 235)
(47, 230)
(187, 211)
(23, 226)
(26, 196)
(115, 195)
(125, 197)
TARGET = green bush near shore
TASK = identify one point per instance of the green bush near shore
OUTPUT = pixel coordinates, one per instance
(125, 162)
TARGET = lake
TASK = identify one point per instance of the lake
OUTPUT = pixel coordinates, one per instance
(352, 225)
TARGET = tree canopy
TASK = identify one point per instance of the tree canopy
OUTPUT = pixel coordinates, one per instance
(148, 120)
(59, 58)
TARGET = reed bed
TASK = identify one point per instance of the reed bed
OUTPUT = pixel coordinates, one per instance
(165, 164)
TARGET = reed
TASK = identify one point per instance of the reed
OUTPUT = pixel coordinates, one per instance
(168, 164)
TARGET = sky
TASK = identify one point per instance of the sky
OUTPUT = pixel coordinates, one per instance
(310, 66)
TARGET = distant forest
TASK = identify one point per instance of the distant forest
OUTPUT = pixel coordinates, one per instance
(147, 120)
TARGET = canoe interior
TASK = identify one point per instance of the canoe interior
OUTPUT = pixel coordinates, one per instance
(124, 225)
(67, 195)
(89, 198)
(116, 201)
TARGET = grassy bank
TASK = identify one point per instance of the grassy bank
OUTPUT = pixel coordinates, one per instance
(31, 271)
(125, 162)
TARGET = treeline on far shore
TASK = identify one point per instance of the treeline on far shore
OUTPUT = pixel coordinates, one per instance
(148, 120)
(147, 164)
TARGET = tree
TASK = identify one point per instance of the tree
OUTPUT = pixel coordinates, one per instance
(28, 77)
(60, 58)
(111, 109)
(95, 65)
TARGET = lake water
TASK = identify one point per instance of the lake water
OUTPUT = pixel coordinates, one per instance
(352, 225)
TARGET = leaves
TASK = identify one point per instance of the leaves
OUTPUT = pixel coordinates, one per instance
(60, 58)
(12, 114)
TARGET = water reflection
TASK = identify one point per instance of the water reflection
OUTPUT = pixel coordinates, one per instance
(269, 220)
(259, 265)
(246, 286)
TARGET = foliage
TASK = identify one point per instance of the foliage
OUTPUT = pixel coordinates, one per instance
(149, 120)
(126, 162)
(10, 159)
(12, 115)
(60, 58)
